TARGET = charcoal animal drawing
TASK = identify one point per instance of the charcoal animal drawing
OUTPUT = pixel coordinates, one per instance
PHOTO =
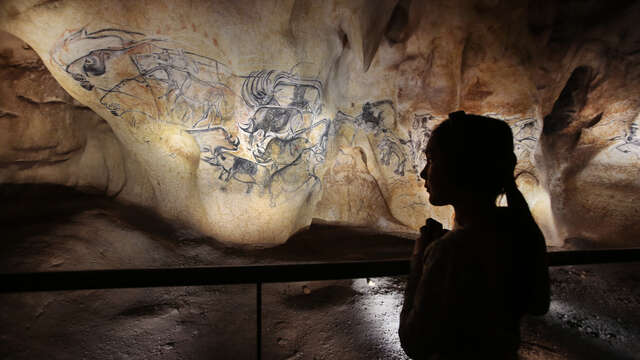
(419, 134)
(139, 78)
(375, 120)
(525, 135)
(142, 79)
(629, 143)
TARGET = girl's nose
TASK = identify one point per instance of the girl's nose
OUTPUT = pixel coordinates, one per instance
(423, 173)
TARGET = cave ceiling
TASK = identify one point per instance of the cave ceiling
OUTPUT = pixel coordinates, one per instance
(246, 120)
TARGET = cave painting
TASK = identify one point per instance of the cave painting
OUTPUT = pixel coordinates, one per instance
(374, 121)
(275, 143)
(526, 131)
(525, 135)
(138, 78)
(629, 143)
(422, 126)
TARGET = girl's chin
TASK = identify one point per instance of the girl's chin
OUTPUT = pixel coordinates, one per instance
(435, 200)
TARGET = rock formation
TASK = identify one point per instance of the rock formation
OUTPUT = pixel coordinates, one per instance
(245, 120)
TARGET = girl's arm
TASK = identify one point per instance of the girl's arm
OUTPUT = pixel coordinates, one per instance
(425, 308)
(430, 232)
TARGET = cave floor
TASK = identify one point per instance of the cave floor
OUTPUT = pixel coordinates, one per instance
(595, 311)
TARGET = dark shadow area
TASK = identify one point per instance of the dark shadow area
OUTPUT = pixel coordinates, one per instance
(324, 242)
(32, 216)
(30, 209)
(570, 102)
(148, 310)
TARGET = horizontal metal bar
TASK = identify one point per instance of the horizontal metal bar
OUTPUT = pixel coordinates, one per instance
(197, 276)
(225, 275)
(584, 257)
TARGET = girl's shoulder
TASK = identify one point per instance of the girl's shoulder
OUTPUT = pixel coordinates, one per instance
(449, 242)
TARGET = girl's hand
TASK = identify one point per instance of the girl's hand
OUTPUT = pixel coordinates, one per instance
(430, 232)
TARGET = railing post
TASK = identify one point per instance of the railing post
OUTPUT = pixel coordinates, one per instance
(259, 320)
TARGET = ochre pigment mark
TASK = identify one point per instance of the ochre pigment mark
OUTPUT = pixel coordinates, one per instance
(193, 27)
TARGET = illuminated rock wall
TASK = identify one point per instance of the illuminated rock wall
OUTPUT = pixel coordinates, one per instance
(247, 119)
(46, 136)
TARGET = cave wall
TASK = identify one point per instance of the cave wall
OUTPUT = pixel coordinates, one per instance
(246, 120)
(49, 137)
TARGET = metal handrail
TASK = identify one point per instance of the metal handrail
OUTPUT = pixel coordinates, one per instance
(252, 274)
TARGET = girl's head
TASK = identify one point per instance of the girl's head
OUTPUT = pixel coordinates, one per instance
(468, 155)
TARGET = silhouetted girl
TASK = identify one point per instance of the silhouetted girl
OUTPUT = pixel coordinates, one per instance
(469, 287)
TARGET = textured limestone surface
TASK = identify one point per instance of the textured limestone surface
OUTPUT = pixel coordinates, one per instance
(46, 136)
(244, 120)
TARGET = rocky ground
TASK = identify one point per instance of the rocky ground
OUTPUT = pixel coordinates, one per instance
(595, 311)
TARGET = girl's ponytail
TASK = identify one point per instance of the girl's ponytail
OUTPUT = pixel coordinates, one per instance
(530, 253)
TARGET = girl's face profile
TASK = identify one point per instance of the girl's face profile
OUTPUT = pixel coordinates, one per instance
(436, 179)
